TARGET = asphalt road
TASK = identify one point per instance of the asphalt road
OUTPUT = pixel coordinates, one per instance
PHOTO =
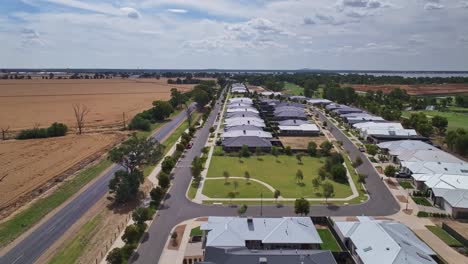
(36, 243)
(178, 208)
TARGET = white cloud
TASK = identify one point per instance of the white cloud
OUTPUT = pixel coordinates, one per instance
(179, 11)
(31, 37)
(464, 4)
(433, 5)
(131, 12)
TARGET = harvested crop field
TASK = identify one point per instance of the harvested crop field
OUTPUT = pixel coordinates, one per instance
(421, 89)
(28, 165)
(27, 103)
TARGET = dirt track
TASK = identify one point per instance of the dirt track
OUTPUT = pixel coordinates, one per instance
(26, 103)
(423, 89)
(27, 165)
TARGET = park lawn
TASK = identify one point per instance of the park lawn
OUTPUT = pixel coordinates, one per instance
(328, 241)
(291, 88)
(74, 248)
(455, 120)
(362, 193)
(421, 201)
(218, 189)
(192, 191)
(11, 229)
(406, 185)
(280, 173)
(444, 236)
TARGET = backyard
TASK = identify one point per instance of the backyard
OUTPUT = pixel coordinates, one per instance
(279, 172)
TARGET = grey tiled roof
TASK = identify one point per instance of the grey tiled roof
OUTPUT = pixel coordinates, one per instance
(250, 141)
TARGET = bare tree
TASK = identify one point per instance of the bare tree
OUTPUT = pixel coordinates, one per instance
(81, 111)
(4, 132)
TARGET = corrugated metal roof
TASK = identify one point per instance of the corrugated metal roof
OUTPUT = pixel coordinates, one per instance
(234, 231)
(250, 141)
(244, 133)
(303, 127)
(456, 198)
(293, 122)
(385, 242)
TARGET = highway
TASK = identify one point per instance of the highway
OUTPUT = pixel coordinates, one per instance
(38, 241)
(178, 208)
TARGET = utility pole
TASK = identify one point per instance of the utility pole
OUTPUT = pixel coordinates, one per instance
(261, 204)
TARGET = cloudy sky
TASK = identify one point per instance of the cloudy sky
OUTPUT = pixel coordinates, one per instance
(229, 34)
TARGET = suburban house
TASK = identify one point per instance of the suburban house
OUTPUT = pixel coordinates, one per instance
(234, 119)
(271, 93)
(253, 142)
(243, 109)
(292, 122)
(299, 130)
(376, 132)
(347, 110)
(238, 88)
(241, 114)
(373, 241)
(261, 233)
(355, 118)
(334, 106)
(244, 133)
(243, 122)
(221, 255)
(238, 100)
(443, 175)
(238, 105)
(243, 127)
(289, 112)
(315, 101)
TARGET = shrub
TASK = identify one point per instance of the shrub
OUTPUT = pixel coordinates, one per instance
(57, 130)
(371, 149)
(164, 180)
(139, 123)
(245, 151)
(390, 171)
(157, 194)
(288, 151)
(168, 164)
(338, 172)
(32, 133)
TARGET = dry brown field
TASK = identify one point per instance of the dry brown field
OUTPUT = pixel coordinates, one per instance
(423, 89)
(301, 143)
(27, 165)
(29, 103)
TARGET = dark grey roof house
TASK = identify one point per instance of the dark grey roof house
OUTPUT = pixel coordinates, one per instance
(253, 142)
(243, 127)
(292, 122)
(220, 255)
(241, 114)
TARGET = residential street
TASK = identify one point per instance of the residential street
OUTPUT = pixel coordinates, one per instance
(178, 208)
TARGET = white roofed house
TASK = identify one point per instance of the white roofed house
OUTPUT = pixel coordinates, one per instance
(376, 132)
(373, 241)
(244, 100)
(244, 133)
(299, 130)
(234, 240)
(243, 109)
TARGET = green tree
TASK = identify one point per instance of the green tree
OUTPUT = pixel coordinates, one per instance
(299, 176)
(57, 130)
(136, 152)
(301, 206)
(201, 98)
(288, 151)
(247, 176)
(327, 190)
(258, 152)
(139, 123)
(362, 178)
(235, 184)
(163, 180)
(299, 158)
(371, 149)
(312, 148)
(132, 234)
(245, 151)
(141, 215)
(168, 164)
(357, 162)
(338, 172)
(274, 152)
(157, 194)
(316, 183)
(242, 210)
(326, 147)
(226, 176)
(276, 194)
(390, 171)
(124, 185)
(162, 110)
(115, 256)
(440, 123)
(231, 195)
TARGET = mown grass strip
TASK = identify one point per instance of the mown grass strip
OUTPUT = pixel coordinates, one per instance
(73, 249)
(14, 227)
(444, 236)
(328, 241)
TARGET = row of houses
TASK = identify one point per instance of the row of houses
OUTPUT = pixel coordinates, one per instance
(296, 240)
(290, 117)
(244, 126)
(442, 175)
(371, 128)
(239, 88)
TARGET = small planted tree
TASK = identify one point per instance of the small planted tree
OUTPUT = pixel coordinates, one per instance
(231, 195)
(226, 176)
(299, 158)
(357, 162)
(312, 148)
(247, 176)
(390, 171)
(235, 184)
(258, 152)
(316, 183)
(245, 151)
(242, 209)
(362, 178)
(174, 236)
(288, 151)
(326, 147)
(276, 194)
(327, 190)
(299, 176)
(301, 206)
(274, 152)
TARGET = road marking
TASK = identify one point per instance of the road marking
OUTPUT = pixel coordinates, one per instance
(18, 258)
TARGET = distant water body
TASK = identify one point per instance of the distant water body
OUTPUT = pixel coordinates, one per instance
(413, 74)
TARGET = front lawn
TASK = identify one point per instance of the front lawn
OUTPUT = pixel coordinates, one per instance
(220, 189)
(196, 232)
(406, 185)
(444, 236)
(279, 172)
(328, 241)
(421, 201)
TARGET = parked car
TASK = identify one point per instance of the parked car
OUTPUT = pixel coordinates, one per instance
(362, 149)
(189, 145)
